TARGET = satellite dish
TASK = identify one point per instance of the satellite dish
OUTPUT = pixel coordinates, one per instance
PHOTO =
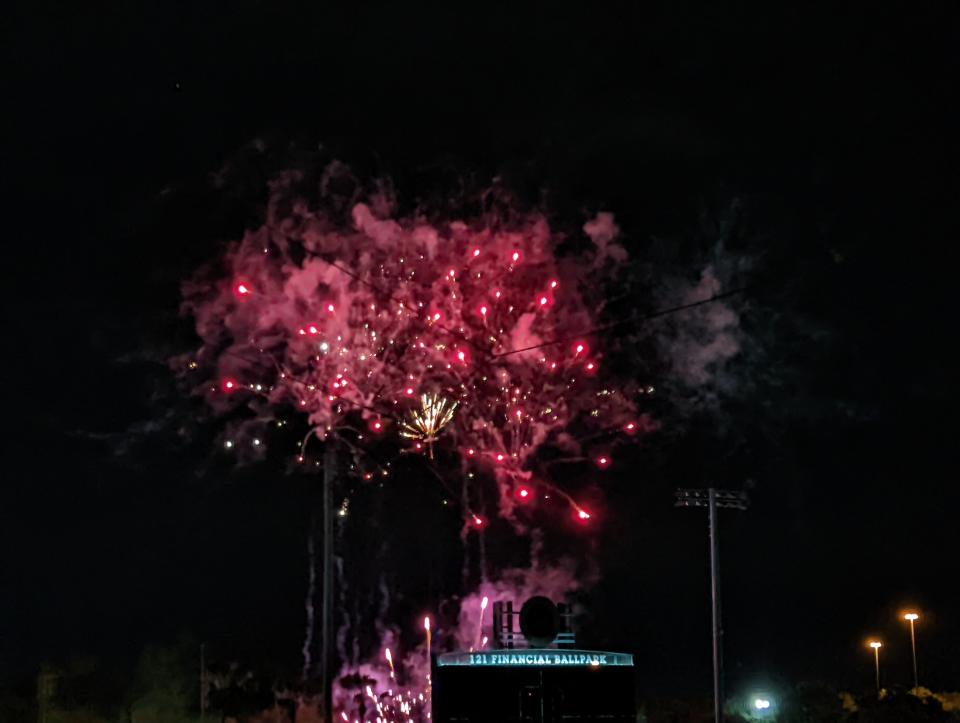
(539, 621)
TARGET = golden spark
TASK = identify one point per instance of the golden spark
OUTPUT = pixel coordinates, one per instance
(426, 423)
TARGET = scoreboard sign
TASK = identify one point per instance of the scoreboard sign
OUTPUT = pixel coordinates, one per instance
(536, 659)
(534, 685)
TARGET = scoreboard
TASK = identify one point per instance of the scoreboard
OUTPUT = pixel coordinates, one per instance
(534, 686)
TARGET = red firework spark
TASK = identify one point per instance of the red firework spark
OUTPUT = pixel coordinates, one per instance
(406, 312)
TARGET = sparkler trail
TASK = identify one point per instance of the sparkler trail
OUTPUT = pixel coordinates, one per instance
(426, 625)
(483, 607)
(389, 657)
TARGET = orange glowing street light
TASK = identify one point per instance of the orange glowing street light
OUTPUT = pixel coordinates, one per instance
(912, 617)
(876, 645)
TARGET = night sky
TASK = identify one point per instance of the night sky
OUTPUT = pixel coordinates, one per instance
(835, 130)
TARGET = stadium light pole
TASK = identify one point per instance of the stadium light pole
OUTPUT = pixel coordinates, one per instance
(714, 499)
(876, 645)
(911, 617)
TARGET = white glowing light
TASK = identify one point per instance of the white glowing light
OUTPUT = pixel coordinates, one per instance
(761, 704)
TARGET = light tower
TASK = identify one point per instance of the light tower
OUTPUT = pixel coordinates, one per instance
(713, 499)
(912, 617)
(876, 645)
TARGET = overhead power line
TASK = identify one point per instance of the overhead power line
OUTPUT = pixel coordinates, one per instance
(553, 342)
(626, 322)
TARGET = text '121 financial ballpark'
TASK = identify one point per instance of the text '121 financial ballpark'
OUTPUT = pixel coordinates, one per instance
(538, 658)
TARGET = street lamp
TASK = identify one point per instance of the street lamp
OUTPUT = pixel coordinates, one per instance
(911, 617)
(876, 645)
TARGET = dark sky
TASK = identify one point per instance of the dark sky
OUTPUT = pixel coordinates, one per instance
(836, 127)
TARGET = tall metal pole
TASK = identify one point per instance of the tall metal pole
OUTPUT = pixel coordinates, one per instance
(326, 625)
(713, 499)
(913, 649)
(203, 683)
(715, 597)
(876, 660)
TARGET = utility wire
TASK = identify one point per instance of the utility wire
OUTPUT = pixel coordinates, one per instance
(626, 322)
(553, 342)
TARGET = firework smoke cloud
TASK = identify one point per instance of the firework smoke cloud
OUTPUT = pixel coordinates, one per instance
(361, 315)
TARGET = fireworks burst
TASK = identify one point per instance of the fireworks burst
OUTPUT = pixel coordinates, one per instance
(426, 423)
(487, 324)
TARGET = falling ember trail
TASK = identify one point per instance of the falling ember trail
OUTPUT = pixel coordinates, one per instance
(426, 625)
(483, 607)
(389, 657)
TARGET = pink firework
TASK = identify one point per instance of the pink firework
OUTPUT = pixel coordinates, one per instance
(339, 321)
